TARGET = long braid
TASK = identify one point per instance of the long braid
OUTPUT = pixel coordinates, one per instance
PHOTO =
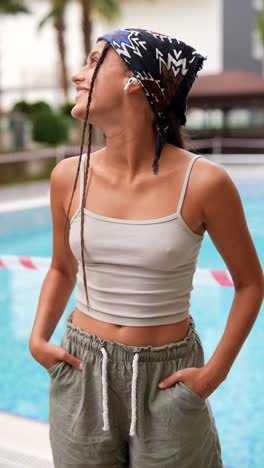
(99, 62)
(66, 232)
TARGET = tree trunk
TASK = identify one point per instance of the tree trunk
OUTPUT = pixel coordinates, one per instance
(60, 27)
(86, 27)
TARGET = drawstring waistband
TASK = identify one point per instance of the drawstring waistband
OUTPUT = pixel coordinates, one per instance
(106, 425)
(113, 350)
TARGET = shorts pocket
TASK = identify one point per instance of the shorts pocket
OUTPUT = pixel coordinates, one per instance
(51, 369)
(193, 394)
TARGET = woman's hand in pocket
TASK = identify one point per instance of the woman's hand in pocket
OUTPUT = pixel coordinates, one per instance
(48, 354)
(196, 378)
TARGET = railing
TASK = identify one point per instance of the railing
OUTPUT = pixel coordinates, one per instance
(216, 144)
(59, 152)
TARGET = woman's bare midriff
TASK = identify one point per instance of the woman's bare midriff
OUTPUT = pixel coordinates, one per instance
(157, 335)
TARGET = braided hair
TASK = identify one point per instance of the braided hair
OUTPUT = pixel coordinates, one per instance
(177, 139)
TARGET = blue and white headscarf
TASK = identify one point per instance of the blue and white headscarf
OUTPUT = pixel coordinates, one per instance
(166, 68)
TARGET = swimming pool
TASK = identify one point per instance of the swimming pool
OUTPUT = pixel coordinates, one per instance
(237, 403)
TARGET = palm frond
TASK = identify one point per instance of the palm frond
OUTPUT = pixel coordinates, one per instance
(56, 14)
(13, 7)
(108, 9)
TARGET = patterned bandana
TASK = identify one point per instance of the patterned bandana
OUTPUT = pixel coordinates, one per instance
(166, 68)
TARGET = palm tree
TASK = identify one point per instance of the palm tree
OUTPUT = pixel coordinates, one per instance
(260, 29)
(107, 9)
(57, 16)
(13, 7)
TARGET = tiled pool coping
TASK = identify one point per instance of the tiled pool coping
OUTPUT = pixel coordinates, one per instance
(24, 442)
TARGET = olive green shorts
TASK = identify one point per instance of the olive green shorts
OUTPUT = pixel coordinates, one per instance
(112, 413)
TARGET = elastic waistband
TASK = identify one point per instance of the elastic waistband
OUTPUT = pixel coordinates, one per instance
(88, 342)
(123, 352)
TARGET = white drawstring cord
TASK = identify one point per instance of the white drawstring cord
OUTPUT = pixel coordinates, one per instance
(106, 426)
(134, 395)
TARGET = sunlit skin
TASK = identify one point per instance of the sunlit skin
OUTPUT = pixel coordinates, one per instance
(124, 186)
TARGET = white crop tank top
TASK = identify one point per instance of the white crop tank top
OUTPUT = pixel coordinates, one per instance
(139, 272)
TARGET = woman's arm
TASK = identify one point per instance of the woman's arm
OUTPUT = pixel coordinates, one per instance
(224, 217)
(61, 277)
(226, 224)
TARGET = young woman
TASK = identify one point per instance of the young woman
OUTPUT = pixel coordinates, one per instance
(132, 245)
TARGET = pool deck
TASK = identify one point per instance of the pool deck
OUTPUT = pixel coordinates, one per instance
(24, 442)
(28, 194)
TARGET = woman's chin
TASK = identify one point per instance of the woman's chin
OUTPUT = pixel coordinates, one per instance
(78, 112)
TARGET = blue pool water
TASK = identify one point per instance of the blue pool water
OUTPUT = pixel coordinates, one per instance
(237, 403)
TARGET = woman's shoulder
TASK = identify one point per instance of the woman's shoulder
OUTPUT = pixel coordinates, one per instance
(206, 170)
(210, 174)
(65, 171)
(210, 180)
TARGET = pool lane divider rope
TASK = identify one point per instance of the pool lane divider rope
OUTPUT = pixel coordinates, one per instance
(202, 276)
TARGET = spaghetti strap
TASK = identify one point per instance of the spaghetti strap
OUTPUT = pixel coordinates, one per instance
(185, 182)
